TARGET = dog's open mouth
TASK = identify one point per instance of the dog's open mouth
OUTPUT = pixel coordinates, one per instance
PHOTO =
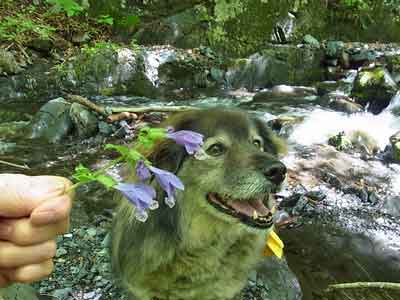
(250, 212)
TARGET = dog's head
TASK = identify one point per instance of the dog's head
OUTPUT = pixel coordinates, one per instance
(236, 172)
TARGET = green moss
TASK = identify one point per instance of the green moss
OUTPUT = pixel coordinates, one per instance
(396, 152)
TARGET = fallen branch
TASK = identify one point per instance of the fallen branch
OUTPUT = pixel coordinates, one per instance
(109, 110)
(364, 285)
(147, 109)
(25, 167)
(89, 104)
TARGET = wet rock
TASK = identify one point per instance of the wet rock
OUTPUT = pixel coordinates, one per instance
(277, 64)
(340, 102)
(284, 124)
(334, 49)
(36, 82)
(356, 141)
(8, 63)
(85, 121)
(392, 206)
(284, 91)
(312, 41)
(95, 70)
(53, 122)
(395, 143)
(340, 141)
(325, 87)
(393, 65)
(374, 88)
(359, 57)
(271, 276)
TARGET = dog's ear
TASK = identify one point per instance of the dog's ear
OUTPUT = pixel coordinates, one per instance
(167, 155)
(272, 143)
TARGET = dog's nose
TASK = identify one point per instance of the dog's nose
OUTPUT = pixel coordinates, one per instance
(275, 172)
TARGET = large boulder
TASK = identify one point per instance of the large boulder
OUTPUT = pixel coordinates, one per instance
(267, 281)
(277, 64)
(375, 88)
(53, 122)
(158, 71)
(338, 101)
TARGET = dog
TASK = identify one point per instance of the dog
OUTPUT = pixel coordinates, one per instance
(205, 246)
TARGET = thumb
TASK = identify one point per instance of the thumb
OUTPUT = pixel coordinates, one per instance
(21, 194)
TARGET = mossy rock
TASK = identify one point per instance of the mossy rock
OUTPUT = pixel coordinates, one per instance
(8, 63)
(396, 152)
(375, 88)
(275, 65)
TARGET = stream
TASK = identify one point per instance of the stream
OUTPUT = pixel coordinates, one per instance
(350, 233)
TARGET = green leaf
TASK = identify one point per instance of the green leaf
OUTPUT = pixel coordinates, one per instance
(106, 180)
(129, 21)
(105, 19)
(123, 150)
(129, 154)
(148, 136)
(83, 174)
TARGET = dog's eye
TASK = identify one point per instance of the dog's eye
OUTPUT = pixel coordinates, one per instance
(216, 149)
(257, 143)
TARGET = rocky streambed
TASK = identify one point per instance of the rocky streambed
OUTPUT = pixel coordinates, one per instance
(340, 209)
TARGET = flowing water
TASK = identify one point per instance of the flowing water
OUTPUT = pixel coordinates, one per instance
(345, 240)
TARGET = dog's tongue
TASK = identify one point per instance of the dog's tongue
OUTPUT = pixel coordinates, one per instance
(248, 208)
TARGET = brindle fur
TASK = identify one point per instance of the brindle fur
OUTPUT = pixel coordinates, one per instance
(193, 251)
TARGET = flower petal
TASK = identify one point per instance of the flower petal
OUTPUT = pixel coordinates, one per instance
(141, 195)
(190, 139)
(142, 172)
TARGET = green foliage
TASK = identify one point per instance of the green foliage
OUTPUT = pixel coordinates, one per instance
(20, 28)
(130, 155)
(98, 46)
(70, 7)
(105, 19)
(84, 175)
(129, 21)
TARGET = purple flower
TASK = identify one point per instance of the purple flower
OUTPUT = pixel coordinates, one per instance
(190, 139)
(141, 195)
(142, 172)
(169, 182)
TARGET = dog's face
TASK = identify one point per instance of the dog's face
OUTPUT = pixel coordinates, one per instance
(236, 172)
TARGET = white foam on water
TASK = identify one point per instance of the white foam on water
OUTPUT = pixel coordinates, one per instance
(320, 124)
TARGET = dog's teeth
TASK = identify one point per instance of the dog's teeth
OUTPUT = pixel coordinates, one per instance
(255, 215)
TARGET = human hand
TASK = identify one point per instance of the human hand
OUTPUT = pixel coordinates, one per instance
(33, 211)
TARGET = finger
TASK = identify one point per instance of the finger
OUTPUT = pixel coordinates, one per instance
(12, 256)
(23, 233)
(29, 273)
(52, 211)
(21, 194)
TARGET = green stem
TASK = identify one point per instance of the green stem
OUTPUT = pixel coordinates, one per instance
(98, 172)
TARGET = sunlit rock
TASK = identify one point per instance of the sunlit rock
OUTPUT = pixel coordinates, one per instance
(374, 88)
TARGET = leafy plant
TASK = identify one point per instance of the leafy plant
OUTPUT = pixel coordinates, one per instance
(20, 28)
(105, 19)
(70, 7)
(142, 195)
